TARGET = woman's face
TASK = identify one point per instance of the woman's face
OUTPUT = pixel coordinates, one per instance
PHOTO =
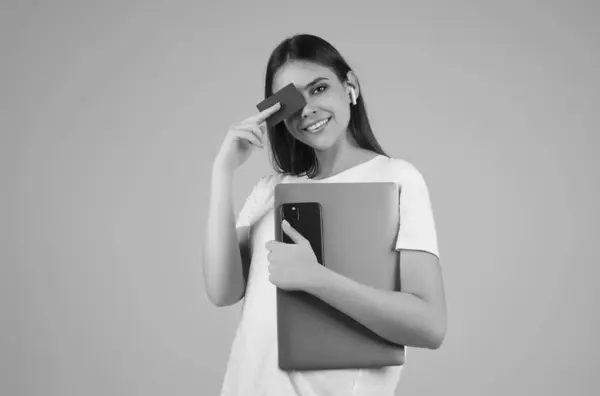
(323, 122)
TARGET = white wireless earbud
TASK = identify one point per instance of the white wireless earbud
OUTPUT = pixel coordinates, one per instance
(353, 95)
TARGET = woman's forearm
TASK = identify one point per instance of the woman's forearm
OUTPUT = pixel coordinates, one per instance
(399, 317)
(222, 261)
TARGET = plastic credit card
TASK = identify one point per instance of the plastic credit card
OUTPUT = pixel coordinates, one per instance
(291, 101)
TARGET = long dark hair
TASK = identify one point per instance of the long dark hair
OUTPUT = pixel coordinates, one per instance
(289, 155)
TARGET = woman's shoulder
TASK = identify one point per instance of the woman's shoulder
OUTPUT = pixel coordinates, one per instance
(398, 168)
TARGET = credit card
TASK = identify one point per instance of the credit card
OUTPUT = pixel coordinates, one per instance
(291, 101)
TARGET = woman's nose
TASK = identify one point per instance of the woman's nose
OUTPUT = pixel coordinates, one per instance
(308, 110)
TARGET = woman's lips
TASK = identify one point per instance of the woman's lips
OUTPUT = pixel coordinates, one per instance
(322, 123)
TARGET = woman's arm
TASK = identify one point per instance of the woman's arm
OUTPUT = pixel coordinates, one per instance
(415, 317)
(223, 261)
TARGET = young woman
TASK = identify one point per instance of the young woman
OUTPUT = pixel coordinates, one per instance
(329, 140)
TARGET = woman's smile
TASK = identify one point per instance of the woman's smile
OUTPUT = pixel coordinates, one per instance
(317, 126)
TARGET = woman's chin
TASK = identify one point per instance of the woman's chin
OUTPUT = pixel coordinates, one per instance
(321, 141)
(320, 144)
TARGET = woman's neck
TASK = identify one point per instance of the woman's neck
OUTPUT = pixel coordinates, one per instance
(333, 162)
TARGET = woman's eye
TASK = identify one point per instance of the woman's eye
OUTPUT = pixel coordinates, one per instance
(319, 89)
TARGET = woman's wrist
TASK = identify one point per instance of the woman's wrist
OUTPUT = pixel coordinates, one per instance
(221, 171)
(322, 280)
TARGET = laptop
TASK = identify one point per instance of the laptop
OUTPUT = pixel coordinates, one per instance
(359, 227)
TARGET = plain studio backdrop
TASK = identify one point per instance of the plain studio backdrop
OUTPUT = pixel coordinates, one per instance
(111, 116)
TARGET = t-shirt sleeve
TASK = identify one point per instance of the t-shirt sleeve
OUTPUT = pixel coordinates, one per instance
(254, 203)
(417, 230)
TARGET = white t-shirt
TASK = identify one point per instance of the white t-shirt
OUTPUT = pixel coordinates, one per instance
(253, 362)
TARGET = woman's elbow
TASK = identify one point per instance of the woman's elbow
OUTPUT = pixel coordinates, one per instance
(436, 336)
(436, 342)
(222, 300)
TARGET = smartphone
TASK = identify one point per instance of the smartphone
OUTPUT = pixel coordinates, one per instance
(291, 101)
(307, 219)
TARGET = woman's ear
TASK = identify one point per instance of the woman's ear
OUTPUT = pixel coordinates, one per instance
(353, 87)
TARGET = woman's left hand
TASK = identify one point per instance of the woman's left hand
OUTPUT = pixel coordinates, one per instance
(293, 266)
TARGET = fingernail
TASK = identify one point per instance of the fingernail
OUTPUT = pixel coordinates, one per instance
(285, 223)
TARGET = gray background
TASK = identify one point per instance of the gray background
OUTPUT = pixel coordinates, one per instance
(111, 115)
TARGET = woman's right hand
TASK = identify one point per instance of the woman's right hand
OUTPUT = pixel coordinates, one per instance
(241, 139)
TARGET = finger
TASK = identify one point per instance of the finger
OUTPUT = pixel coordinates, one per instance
(255, 129)
(262, 127)
(292, 233)
(274, 245)
(266, 113)
(258, 131)
(248, 136)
